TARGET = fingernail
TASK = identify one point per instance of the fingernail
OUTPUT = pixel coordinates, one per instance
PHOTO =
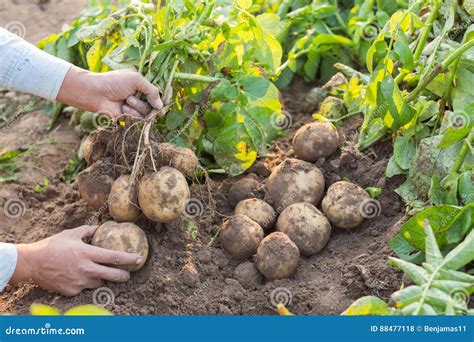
(133, 101)
(139, 261)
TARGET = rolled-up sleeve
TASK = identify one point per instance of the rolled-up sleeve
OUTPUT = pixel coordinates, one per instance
(8, 259)
(25, 68)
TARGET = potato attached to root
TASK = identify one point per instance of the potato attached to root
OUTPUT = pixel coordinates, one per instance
(343, 204)
(180, 158)
(123, 200)
(122, 237)
(257, 210)
(240, 236)
(163, 195)
(306, 226)
(295, 181)
(95, 184)
(315, 140)
(277, 256)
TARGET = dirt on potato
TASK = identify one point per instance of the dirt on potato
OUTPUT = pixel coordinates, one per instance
(188, 271)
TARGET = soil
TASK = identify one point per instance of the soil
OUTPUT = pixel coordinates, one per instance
(189, 273)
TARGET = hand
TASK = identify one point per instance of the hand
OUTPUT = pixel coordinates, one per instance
(110, 93)
(65, 264)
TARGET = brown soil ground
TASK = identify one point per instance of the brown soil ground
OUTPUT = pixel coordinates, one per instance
(353, 263)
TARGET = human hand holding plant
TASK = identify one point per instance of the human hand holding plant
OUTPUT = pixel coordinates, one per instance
(111, 93)
(66, 264)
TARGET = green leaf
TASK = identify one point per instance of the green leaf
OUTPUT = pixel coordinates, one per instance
(403, 151)
(405, 251)
(406, 296)
(416, 273)
(466, 187)
(393, 168)
(433, 254)
(244, 4)
(403, 51)
(399, 112)
(462, 254)
(369, 305)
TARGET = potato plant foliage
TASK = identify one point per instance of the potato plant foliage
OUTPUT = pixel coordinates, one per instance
(219, 55)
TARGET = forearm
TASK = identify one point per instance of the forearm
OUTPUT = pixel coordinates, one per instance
(25, 68)
(8, 263)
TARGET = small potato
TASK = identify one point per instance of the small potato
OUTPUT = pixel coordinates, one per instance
(257, 210)
(240, 236)
(94, 185)
(295, 181)
(122, 237)
(306, 226)
(277, 256)
(94, 146)
(343, 204)
(180, 158)
(242, 189)
(315, 140)
(163, 195)
(123, 200)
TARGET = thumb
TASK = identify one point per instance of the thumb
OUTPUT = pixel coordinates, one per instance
(152, 93)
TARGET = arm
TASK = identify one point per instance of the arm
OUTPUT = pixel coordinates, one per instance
(8, 260)
(25, 68)
(64, 263)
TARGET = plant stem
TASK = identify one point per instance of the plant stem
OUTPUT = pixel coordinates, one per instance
(193, 77)
(364, 144)
(438, 69)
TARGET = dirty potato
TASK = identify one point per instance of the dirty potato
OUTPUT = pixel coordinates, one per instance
(315, 140)
(277, 256)
(123, 200)
(122, 237)
(257, 210)
(295, 181)
(163, 195)
(306, 226)
(343, 204)
(240, 236)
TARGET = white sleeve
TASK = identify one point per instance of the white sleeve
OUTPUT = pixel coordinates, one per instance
(8, 259)
(25, 68)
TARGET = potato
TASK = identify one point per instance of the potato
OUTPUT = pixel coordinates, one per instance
(240, 236)
(295, 181)
(163, 195)
(277, 256)
(242, 189)
(257, 210)
(123, 237)
(182, 159)
(94, 185)
(342, 204)
(315, 140)
(306, 226)
(123, 200)
(94, 146)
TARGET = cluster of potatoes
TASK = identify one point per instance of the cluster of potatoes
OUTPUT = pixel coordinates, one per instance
(161, 196)
(296, 187)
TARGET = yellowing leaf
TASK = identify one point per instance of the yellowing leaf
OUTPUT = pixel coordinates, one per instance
(240, 118)
(245, 155)
(43, 310)
(283, 311)
(400, 19)
(94, 55)
(87, 310)
(245, 4)
(368, 305)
